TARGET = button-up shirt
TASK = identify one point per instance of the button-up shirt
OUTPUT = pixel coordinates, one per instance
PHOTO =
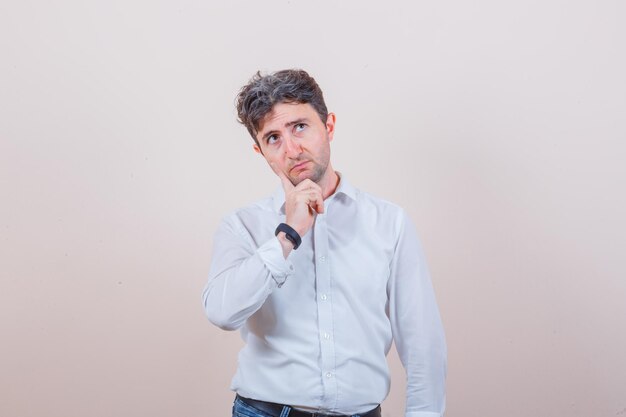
(318, 325)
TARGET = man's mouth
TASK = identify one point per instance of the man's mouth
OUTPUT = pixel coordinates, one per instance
(299, 165)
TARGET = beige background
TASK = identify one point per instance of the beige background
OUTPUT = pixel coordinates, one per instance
(498, 125)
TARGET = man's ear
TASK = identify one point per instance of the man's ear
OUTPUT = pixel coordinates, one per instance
(257, 149)
(330, 125)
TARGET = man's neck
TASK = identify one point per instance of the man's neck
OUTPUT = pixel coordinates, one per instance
(329, 183)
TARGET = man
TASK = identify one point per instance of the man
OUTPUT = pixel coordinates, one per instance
(320, 277)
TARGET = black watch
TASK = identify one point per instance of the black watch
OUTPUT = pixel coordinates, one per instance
(290, 234)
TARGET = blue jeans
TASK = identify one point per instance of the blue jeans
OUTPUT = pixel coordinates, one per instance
(241, 409)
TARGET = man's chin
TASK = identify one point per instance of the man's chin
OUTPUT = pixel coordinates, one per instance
(297, 180)
(304, 176)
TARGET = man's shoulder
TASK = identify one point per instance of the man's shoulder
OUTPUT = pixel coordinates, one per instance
(249, 214)
(380, 204)
(259, 207)
(380, 213)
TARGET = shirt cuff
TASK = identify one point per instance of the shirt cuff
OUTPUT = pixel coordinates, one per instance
(280, 268)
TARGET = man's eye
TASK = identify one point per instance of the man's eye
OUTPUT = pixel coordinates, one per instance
(300, 127)
(272, 139)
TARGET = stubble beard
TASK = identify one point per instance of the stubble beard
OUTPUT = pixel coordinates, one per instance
(316, 175)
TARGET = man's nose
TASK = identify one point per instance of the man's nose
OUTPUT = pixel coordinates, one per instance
(292, 148)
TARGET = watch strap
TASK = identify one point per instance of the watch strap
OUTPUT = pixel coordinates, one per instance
(290, 234)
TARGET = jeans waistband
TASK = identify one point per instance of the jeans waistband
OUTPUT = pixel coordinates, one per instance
(275, 409)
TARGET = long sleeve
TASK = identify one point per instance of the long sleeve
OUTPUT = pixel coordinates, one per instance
(241, 276)
(416, 326)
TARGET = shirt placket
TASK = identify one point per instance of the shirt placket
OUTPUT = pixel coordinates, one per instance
(325, 313)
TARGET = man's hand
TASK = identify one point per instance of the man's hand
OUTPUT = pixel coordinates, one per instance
(302, 202)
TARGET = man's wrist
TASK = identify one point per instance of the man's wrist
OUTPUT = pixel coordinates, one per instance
(285, 244)
(290, 234)
(282, 237)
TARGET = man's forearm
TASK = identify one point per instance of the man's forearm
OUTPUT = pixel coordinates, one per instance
(241, 279)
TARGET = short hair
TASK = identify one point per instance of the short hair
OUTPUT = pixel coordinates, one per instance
(257, 98)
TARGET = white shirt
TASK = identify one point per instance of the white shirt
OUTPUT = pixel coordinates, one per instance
(317, 326)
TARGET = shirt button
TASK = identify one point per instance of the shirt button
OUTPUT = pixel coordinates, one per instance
(322, 258)
(326, 336)
(328, 375)
(324, 297)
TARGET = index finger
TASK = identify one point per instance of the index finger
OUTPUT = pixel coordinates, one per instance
(287, 185)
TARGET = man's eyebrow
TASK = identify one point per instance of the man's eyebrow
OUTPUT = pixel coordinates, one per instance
(297, 121)
(288, 124)
(268, 134)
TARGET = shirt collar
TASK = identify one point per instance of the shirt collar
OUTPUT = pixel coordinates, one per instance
(344, 188)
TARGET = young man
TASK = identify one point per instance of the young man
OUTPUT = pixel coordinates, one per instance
(320, 277)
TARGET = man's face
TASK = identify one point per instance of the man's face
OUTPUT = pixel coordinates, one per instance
(294, 140)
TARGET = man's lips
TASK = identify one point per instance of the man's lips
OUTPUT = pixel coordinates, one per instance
(299, 165)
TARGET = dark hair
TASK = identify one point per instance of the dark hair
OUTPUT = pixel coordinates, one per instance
(257, 98)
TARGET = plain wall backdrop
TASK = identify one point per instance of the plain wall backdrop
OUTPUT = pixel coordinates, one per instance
(499, 126)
